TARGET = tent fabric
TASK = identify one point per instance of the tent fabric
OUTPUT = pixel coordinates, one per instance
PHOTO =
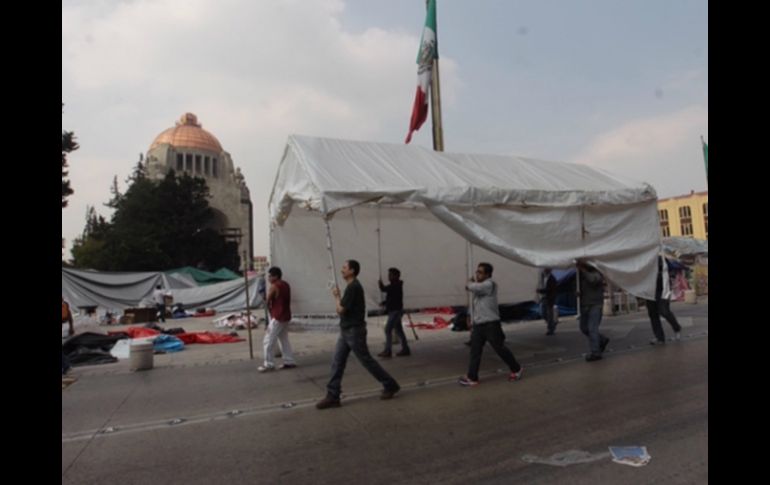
(679, 247)
(121, 290)
(201, 277)
(425, 205)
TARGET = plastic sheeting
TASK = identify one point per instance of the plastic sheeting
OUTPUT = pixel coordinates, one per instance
(684, 247)
(118, 291)
(519, 213)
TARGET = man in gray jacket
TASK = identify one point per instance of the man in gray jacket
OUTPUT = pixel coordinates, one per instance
(591, 301)
(486, 327)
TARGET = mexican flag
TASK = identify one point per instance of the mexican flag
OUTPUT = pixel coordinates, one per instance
(428, 51)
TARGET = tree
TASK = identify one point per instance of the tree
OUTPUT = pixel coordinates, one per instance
(88, 249)
(156, 226)
(68, 145)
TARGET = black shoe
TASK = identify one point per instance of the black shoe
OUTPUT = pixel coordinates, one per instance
(468, 343)
(550, 332)
(328, 402)
(593, 357)
(384, 353)
(604, 344)
(403, 353)
(389, 393)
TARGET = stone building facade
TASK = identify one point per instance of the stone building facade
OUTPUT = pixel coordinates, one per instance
(188, 148)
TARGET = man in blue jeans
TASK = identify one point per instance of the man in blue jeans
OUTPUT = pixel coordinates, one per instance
(486, 327)
(351, 308)
(591, 301)
(394, 306)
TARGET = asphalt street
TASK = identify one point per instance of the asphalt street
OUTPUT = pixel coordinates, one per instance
(206, 416)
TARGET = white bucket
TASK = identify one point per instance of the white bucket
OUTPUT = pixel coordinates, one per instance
(689, 297)
(141, 356)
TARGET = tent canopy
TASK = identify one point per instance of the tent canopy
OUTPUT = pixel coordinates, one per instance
(413, 208)
(121, 290)
(205, 277)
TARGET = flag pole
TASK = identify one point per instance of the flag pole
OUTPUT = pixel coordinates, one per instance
(705, 157)
(435, 99)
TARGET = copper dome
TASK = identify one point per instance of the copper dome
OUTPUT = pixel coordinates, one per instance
(188, 134)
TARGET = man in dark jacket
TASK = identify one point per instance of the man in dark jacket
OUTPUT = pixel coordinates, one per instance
(351, 308)
(547, 291)
(394, 306)
(591, 301)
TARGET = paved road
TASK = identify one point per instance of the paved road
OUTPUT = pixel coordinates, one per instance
(214, 419)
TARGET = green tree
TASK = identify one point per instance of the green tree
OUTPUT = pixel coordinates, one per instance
(68, 145)
(155, 226)
(88, 249)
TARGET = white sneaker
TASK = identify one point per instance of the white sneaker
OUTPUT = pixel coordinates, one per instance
(678, 336)
(264, 368)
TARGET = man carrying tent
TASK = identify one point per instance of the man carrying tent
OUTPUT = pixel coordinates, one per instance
(487, 327)
(394, 306)
(661, 307)
(547, 290)
(352, 311)
(591, 301)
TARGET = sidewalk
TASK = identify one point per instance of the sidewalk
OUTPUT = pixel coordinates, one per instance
(526, 339)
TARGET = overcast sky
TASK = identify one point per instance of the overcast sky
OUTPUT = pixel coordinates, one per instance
(617, 84)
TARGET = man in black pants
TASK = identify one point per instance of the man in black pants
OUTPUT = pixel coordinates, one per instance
(394, 306)
(661, 306)
(352, 311)
(548, 290)
(486, 327)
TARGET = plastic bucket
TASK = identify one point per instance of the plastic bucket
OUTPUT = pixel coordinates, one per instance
(689, 296)
(141, 356)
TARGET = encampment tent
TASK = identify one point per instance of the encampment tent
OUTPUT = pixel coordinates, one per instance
(121, 290)
(410, 207)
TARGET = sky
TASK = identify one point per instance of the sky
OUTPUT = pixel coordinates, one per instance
(620, 85)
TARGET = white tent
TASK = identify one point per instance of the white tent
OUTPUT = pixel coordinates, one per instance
(413, 208)
(111, 291)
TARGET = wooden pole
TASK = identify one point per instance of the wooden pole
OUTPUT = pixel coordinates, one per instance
(248, 303)
(435, 98)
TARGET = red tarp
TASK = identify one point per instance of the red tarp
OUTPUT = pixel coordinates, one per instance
(207, 338)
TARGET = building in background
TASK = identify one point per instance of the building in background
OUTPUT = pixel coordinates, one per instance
(685, 215)
(188, 148)
(260, 264)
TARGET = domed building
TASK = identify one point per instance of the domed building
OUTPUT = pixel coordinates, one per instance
(188, 148)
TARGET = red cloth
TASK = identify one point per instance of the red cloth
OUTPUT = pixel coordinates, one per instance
(438, 323)
(207, 338)
(136, 332)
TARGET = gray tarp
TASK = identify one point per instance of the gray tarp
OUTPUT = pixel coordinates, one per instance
(683, 247)
(118, 291)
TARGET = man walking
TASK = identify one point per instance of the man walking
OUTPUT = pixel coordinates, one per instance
(160, 302)
(394, 306)
(661, 306)
(486, 327)
(352, 311)
(547, 290)
(591, 302)
(279, 303)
